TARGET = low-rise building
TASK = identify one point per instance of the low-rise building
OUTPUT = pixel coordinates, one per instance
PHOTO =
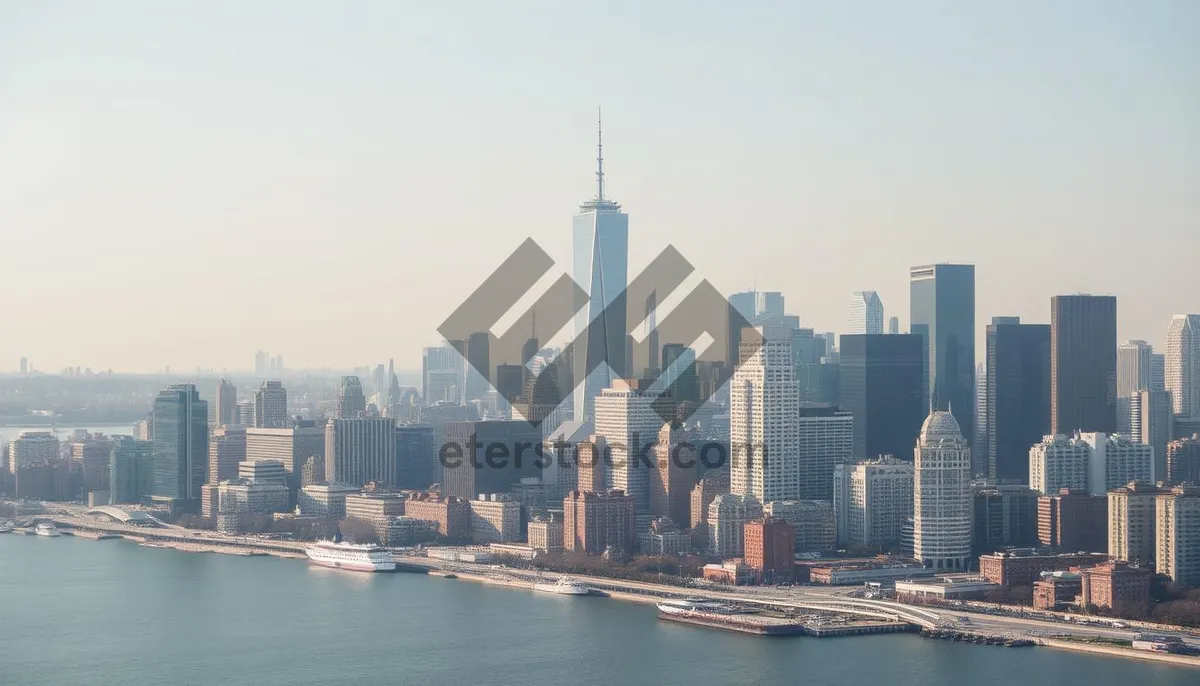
(495, 518)
(945, 588)
(378, 508)
(545, 535)
(732, 572)
(1118, 585)
(856, 573)
(664, 537)
(324, 500)
(1023, 566)
(451, 516)
(1054, 590)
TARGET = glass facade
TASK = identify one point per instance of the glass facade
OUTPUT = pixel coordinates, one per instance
(942, 312)
(180, 438)
(601, 254)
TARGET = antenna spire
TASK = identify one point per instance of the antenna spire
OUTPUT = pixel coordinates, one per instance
(599, 156)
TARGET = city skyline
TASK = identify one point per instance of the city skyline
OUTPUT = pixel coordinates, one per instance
(274, 194)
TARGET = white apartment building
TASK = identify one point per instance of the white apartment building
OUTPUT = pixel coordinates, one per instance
(1115, 460)
(871, 500)
(1058, 462)
(942, 496)
(764, 423)
(1131, 514)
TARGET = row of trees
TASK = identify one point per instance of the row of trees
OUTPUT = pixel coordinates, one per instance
(646, 568)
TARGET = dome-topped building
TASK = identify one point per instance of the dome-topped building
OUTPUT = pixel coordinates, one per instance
(940, 425)
(942, 495)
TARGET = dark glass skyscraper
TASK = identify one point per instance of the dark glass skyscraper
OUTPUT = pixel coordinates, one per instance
(942, 302)
(1018, 395)
(881, 385)
(1083, 363)
(180, 435)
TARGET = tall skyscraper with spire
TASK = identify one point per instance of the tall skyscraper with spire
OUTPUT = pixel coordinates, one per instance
(600, 246)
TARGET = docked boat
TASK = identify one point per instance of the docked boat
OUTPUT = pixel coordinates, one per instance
(564, 586)
(351, 556)
(6, 528)
(46, 529)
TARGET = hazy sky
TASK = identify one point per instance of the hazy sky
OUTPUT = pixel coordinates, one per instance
(185, 183)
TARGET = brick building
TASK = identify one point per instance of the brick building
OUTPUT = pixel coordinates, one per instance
(1055, 590)
(1073, 520)
(451, 516)
(545, 535)
(770, 549)
(1118, 585)
(594, 521)
(1023, 566)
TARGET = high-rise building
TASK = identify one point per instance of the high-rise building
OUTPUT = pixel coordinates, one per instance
(1115, 461)
(129, 469)
(416, 451)
(673, 474)
(226, 448)
(1083, 363)
(942, 312)
(180, 431)
(1059, 462)
(1133, 367)
(1131, 522)
(31, 448)
(1158, 372)
(592, 522)
(270, 406)
(825, 440)
(881, 386)
(502, 454)
(1018, 395)
(90, 457)
(260, 363)
(942, 497)
(1183, 460)
(24, 366)
(1005, 517)
(871, 500)
(764, 421)
(679, 370)
(351, 402)
(1073, 520)
(866, 313)
(1151, 423)
(626, 419)
(1177, 544)
(893, 325)
(226, 410)
(480, 368)
(600, 246)
(360, 450)
(1182, 364)
(442, 375)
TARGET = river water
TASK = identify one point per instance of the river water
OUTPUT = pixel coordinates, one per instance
(76, 611)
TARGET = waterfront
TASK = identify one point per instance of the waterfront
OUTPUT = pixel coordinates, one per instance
(10, 433)
(111, 612)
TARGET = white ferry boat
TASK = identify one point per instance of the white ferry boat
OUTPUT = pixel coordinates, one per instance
(46, 529)
(564, 586)
(355, 557)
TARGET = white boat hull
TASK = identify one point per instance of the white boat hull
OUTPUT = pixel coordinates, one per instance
(562, 590)
(351, 565)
